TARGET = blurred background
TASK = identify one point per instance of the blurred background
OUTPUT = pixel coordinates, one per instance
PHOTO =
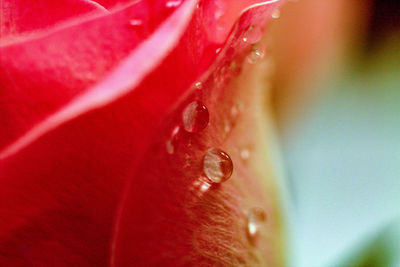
(336, 94)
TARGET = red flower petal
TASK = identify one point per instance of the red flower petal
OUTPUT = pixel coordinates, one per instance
(61, 182)
(40, 75)
(23, 16)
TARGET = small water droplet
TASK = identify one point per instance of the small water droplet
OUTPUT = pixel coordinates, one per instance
(170, 145)
(245, 154)
(255, 56)
(255, 218)
(252, 35)
(217, 50)
(135, 22)
(276, 14)
(217, 165)
(235, 69)
(227, 127)
(198, 85)
(195, 117)
(234, 111)
(223, 70)
(174, 3)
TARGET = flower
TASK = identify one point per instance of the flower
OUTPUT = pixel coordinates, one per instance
(96, 164)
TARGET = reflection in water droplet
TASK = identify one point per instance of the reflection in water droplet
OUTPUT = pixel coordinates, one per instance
(195, 117)
(217, 165)
(255, 218)
(276, 14)
(245, 154)
(255, 56)
(174, 3)
(252, 35)
(170, 145)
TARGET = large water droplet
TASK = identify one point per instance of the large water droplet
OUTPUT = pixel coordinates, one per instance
(252, 35)
(195, 117)
(255, 55)
(170, 145)
(255, 218)
(217, 165)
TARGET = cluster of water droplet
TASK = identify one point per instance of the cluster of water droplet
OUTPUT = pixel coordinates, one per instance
(217, 165)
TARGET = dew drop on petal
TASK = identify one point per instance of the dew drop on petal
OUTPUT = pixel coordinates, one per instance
(255, 218)
(255, 56)
(227, 127)
(198, 85)
(252, 35)
(135, 22)
(245, 154)
(217, 165)
(234, 111)
(276, 14)
(195, 117)
(173, 3)
(170, 145)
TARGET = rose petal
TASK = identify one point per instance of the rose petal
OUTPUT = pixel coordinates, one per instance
(60, 191)
(40, 75)
(171, 214)
(22, 16)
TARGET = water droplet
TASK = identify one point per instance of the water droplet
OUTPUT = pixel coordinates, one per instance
(276, 14)
(234, 111)
(174, 3)
(217, 165)
(227, 127)
(235, 69)
(252, 35)
(245, 154)
(218, 50)
(223, 70)
(255, 218)
(255, 56)
(195, 117)
(170, 145)
(135, 22)
(198, 85)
